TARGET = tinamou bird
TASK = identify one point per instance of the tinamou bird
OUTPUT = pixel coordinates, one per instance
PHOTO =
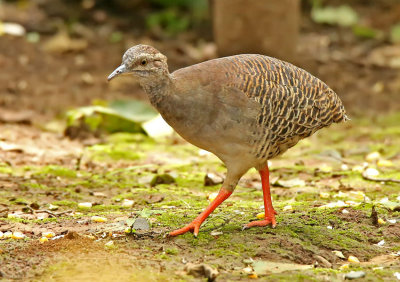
(246, 109)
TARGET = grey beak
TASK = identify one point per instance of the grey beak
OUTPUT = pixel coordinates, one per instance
(117, 71)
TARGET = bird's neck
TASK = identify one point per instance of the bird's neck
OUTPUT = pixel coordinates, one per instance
(157, 88)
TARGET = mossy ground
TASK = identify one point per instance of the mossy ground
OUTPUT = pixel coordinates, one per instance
(122, 168)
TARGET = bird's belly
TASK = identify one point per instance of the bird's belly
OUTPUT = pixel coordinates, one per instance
(231, 142)
(222, 128)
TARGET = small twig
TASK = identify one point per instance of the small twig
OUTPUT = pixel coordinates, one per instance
(380, 179)
(64, 212)
(136, 167)
(186, 203)
(374, 216)
(52, 213)
(343, 160)
(226, 221)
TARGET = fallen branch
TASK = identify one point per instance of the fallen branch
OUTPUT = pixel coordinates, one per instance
(52, 214)
(226, 221)
(365, 176)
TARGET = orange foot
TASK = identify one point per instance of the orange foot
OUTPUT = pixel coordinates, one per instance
(268, 221)
(194, 227)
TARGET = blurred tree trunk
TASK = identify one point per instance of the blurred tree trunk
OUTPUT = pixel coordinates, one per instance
(268, 27)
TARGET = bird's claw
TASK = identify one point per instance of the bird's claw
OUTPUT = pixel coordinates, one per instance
(194, 227)
(268, 221)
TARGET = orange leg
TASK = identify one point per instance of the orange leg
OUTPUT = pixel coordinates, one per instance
(194, 226)
(269, 210)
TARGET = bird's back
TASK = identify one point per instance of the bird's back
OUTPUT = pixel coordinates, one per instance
(294, 103)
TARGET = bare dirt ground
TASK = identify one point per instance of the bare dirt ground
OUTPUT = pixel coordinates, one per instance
(44, 176)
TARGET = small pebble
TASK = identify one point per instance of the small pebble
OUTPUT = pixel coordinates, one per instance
(13, 215)
(287, 208)
(352, 203)
(344, 167)
(12, 29)
(392, 221)
(211, 179)
(357, 195)
(7, 234)
(85, 205)
(127, 203)
(371, 172)
(329, 227)
(96, 218)
(326, 168)
(341, 195)
(381, 243)
(324, 195)
(204, 153)
(354, 275)
(216, 233)
(374, 156)
(353, 259)
(344, 211)
(384, 163)
(212, 196)
(109, 244)
(99, 194)
(53, 207)
(337, 204)
(397, 275)
(339, 254)
(238, 212)
(49, 234)
(43, 240)
(384, 200)
(18, 235)
(358, 168)
(248, 270)
(141, 223)
(58, 237)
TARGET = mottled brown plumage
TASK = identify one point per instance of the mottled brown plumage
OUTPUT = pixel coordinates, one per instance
(245, 109)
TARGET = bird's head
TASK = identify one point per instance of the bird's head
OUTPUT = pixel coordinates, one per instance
(143, 61)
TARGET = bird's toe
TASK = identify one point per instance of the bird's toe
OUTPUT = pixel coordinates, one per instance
(194, 227)
(261, 223)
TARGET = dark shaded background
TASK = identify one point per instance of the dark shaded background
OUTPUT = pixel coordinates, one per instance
(70, 47)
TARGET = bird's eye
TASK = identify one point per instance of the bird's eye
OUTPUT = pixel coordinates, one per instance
(143, 63)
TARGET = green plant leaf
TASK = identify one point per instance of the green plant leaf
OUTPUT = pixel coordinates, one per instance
(146, 213)
(395, 33)
(343, 15)
(366, 32)
(119, 116)
(134, 110)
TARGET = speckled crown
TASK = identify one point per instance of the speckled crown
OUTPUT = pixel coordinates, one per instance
(140, 49)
